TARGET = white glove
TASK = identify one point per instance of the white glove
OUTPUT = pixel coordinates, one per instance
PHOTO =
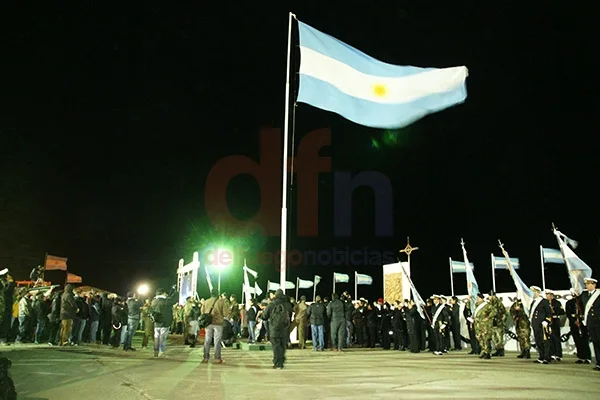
(444, 326)
(545, 324)
(470, 319)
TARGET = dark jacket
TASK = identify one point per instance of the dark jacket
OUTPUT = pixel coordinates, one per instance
(336, 311)
(275, 331)
(119, 313)
(84, 308)
(316, 314)
(348, 310)
(54, 315)
(162, 309)
(95, 310)
(134, 308)
(68, 305)
(252, 313)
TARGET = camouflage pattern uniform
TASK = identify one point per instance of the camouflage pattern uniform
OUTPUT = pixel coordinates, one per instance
(499, 322)
(484, 320)
(2, 304)
(522, 326)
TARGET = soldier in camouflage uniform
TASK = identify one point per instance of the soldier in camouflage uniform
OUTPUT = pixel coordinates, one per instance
(484, 318)
(522, 328)
(498, 324)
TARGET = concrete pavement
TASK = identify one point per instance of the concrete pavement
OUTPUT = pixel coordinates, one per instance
(97, 372)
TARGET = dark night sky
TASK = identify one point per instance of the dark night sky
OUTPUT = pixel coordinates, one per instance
(112, 117)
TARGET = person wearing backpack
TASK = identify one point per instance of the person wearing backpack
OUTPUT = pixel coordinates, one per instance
(213, 314)
(279, 315)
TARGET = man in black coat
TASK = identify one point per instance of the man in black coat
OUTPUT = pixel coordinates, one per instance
(336, 313)
(540, 316)
(279, 316)
(455, 322)
(574, 309)
(591, 316)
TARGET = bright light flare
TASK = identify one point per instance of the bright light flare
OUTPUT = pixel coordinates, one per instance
(143, 289)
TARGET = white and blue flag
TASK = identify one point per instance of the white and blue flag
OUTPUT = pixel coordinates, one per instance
(552, 256)
(362, 279)
(460, 266)
(578, 269)
(501, 263)
(472, 286)
(339, 78)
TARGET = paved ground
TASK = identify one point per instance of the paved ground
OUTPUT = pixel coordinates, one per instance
(95, 372)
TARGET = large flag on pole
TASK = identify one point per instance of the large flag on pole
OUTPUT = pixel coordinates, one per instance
(303, 284)
(272, 286)
(459, 267)
(419, 303)
(552, 256)
(578, 270)
(472, 286)
(362, 279)
(339, 78)
(72, 278)
(502, 263)
(341, 278)
(523, 291)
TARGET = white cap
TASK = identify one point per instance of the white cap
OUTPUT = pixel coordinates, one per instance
(549, 291)
(4, 271)
(592, 280)
(536, 288)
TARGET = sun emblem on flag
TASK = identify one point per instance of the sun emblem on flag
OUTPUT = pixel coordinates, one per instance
(379, 90)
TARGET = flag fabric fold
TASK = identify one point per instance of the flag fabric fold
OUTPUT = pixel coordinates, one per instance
(250, 271)
(419, 303)
(303, 284)
(552, 256)
(472, 286)
(460, 267)
(341, 278)
(317, 279)
(54, 263)
(501, 263)
(523, 291)
(72, 278)
(362, 279)
(339, 78)
(578, 269)
(208, 280)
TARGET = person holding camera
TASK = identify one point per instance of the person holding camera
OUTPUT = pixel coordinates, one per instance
(162, 314)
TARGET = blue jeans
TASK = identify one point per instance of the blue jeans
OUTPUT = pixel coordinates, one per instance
(160, 338)
(132, 325)
(251, 327)
(94, 331)
(213, 332)
(318, 336)
(348, 338)
(82, 325)
(39, 330)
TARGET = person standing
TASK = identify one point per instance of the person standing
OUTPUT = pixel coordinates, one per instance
(252, 314)
(413, 327)
(591, 316)
(484, 317)
(68, 312)
(522, 328)
(557, 311)
(162, 312)
(279, 315)
(300, 322)
(148, 324)
(455, 323)
(467, 313)
(540, 316)
(216, 308)
(498, 324)
(134, 311)
(316, 316)
(336, 314)
(574, 309)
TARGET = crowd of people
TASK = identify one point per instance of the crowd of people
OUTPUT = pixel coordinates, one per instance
(71, 317)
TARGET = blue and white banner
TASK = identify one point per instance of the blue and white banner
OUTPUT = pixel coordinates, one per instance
(272, 286)
(339, 78)
(472, 286)
(552, 256)
(362, 279)
(578, 270)
(302, 284)
(341, 278)
(460, 267)
(500, 263)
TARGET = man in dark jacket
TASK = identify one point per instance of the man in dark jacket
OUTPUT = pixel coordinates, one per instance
(54, 320)
(279, 315)
(94, 304)
(106, 305)
(455, 323)
(68, 312)
(336, 313)
(316, 318)
(252, 314)
(134, 311)
(162, 312)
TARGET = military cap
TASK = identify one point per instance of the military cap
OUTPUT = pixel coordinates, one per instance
(443, 297)
(436, 296)
(535, 288)
(550, 291)
(590, 280)
(4, 272)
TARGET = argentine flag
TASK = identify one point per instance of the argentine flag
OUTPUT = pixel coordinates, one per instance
(500, 263)
(552, 256)
(340, 278)
(362, 279)
(302, 284)
(459, 266)
(578, 269)
(339, 78)
(472, 286)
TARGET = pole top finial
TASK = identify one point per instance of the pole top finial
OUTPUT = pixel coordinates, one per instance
(462, 242)
(500, 244)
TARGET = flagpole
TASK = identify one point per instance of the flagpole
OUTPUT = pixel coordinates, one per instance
(333, 282)
(451, 277)
(493, 273)
(355, 285)
(297, 285)
(543, 272)
(286, 127)
(314, 288)
(268, 286)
